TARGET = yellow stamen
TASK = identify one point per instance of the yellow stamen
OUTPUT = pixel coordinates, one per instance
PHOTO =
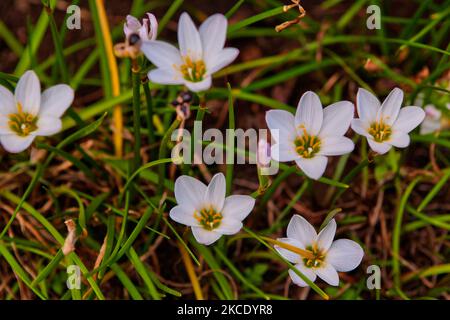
(22, 123)
(307, 145)
(208, 218)
(193, 71)
(380, 131)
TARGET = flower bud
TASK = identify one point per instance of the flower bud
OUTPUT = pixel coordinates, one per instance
(263, 157)
(146, 31)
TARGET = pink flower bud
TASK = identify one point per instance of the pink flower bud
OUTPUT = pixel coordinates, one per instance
(146, 31)
(263, 157)
(149, 28)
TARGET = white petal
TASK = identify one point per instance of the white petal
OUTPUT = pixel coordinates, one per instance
(391, 106)
(238, 206)
(215, 193)
(7, 102)
(229, 226)
(213, 32)
(326, 235)
(184, 216)
(284, 152)
(56, 100)
(203, 85)
(288, 254)
(162, 54)
(309, 114)
(328, 274)
(305, 271)
(204, 236)
(281, 125)
(301, 230)
(189, 193)
(345, 255)
(28, 92)
(150, 27)
(409, 118)
(222, 59)
(399, 139)
(165, 76)
(313, 167)
(367, 105)
(15, 144)
(337, 118)
(360, 127)
(4, 126)
(380, 148)
(131, 25)
(47, 126)
(335, 146)
(189, 38)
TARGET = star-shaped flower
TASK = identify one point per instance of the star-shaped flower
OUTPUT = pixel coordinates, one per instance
(28, 114)
(321, 256)
(312, 135)
(201, 54)
(385, 125)
(207, 210)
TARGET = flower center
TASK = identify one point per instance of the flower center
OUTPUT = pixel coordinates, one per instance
(380, 131)
(208, 218)
(22, 123)
(307, 146)
(317, 257)
(193, 70)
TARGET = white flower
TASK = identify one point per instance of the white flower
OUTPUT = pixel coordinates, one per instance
(385, 125)
(312, 135)
(434, 121)
(146, 31)
(201, 54)
(325, 257)
(207, 211)
(28, 114)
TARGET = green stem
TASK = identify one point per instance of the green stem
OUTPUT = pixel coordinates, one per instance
(199, 117)
(232, 126)
(150, 127)
(162, 153)
(201, 109)
(136, 120)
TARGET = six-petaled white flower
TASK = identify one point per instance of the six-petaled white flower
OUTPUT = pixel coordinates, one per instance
(312, 135)
(28, 114)
(322, 256)
(385, 125)
(146, 31)
(207, 210)
(201, 54)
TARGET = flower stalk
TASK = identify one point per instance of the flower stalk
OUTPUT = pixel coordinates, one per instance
(136, 114)
(202, 107)
(150, 126)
